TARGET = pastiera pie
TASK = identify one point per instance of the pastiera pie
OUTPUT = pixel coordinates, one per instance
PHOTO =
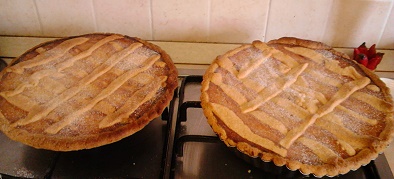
(84, 91)
(298, 103)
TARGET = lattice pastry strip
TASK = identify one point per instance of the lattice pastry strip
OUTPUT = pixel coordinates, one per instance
(23, 102)
(114, 85)
(138, 98)
(233, 122)
(60, 50)
(39, 111)
(240, 99)
(273, 90)
(43, 58)
(343, 93)
(70, 62)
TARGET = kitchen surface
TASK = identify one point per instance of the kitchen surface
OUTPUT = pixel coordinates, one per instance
(180, 143)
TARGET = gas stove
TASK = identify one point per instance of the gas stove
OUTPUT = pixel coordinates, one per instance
(179, 144)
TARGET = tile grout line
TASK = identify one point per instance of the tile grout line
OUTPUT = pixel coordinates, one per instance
(323, 34)
(266, 21)
(386, 22)
(209, 14)
(152, 34)
(38, 17)
(94, 15)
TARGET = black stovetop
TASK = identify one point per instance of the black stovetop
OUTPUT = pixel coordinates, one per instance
(179, 144)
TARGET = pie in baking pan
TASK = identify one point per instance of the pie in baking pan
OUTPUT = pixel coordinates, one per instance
(84, 91)
(298, 103)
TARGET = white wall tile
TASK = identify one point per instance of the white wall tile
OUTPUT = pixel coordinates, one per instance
(19, 17)
(387, 39)
(303, 19)
(129, 17)
(339, 23)
(65, 18)
(234, 21)
(352, 22)
(185, 20)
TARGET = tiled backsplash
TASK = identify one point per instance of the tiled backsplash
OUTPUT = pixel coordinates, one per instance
(339, 23)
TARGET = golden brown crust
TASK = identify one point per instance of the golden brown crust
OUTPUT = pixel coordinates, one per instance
(230, 67)
(307, 43)
(301, 42)
(151, 63)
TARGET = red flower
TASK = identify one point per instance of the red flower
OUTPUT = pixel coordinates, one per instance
(367, 57)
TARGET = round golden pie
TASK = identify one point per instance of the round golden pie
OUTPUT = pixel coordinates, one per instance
(84, 91)
(298, 103)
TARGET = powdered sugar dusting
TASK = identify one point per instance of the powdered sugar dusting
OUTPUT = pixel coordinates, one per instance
(327, 90)
(95, 70)
(24, 173)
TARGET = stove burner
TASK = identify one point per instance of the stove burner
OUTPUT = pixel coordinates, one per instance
(3, 64)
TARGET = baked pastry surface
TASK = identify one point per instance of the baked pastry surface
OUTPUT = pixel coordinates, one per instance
(298, 103)
(84, 91)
